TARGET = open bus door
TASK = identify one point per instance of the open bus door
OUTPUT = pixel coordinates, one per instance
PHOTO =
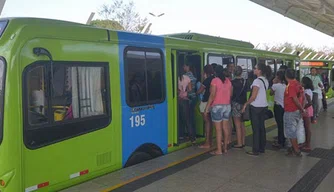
(179, 58)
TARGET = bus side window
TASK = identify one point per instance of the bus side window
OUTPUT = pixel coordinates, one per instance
(220, 59)
(247, 65)
(144, 76)
(78, 92)
(37, 96)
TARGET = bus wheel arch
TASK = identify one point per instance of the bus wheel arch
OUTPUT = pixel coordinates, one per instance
(144, 153)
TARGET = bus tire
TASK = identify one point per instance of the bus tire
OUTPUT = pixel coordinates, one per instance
(138, 157)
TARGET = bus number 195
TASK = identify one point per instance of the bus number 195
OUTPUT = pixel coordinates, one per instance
(137, 120)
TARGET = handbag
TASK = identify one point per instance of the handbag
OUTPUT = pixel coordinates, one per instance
(246, 115)
(268, 114)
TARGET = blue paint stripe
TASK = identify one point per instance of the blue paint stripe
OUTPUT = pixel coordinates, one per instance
(155, 130)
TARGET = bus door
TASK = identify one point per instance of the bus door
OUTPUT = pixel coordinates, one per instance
(290, 64)
(144, 105)
(179, 58)
(279, 63)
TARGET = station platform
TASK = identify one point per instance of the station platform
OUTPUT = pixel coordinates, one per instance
(193, 169)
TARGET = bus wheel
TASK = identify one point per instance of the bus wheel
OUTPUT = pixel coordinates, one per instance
(138, 157)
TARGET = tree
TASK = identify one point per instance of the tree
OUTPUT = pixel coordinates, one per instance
(124, 14)
(109, 24)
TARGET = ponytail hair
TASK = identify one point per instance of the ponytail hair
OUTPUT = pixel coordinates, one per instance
(265, 70)
(220, 73)
(281, 76)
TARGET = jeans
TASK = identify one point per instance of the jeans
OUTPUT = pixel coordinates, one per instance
(192, 128)
(258, 127)
(315, 106)
(183, 116)
(279, 113)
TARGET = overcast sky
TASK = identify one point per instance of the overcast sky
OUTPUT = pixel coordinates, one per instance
(236, 19)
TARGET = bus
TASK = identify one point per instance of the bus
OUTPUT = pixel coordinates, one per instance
(325, 69)
(78, 101)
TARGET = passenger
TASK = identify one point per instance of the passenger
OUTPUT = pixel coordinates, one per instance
(205, 87)
(230, 69)
(192, 100)
(278, 90)
(258, 106)
(214, 65)
(228, 75)
(308, 88)
(324, 80)
(293, 111)
(239, 98)
(136, 88)
(219, 105)
(317, 84)
(283, 68)
(184, 86)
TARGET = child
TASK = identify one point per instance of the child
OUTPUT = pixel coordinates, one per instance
(308, 86)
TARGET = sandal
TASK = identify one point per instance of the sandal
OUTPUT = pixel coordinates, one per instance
(204, 146)
(238, 147)
(215, 153)
(307, 149)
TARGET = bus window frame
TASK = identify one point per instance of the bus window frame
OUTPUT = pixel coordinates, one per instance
(267, 58)
(126, 80)
(83, 125)
(2, 101)
(220, 55)
(247, 57)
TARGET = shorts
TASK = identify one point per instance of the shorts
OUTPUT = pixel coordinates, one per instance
(291, 121)
(309, 112)
(236, 109)
(202, 106)
(220, 113)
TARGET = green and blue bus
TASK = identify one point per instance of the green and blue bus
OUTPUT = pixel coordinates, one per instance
(77, 101)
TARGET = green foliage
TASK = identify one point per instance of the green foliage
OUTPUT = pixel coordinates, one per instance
(124, 14)
(108, 24)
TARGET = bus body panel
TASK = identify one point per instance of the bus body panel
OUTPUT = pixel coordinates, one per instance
(83, 152)
(152, 126)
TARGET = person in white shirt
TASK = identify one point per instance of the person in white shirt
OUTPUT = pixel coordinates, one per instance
(278, 90)
(258, 106)
(317, 84)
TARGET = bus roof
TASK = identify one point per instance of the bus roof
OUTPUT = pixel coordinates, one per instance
(211, 39)
(182, 39)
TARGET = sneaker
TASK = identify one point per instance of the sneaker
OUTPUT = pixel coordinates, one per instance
(298, 154)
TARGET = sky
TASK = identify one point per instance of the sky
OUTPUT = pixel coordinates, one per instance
(235, 19)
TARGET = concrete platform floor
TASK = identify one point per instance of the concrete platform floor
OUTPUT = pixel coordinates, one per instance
(193, 169)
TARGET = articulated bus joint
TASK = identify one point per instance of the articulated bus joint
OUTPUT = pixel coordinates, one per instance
(5, 179)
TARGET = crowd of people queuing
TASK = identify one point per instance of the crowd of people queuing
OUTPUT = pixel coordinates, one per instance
(224, 104)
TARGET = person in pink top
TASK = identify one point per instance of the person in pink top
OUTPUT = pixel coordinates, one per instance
(184, 86)
(219, 104)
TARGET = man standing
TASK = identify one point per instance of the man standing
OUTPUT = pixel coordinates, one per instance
(324, 79)
(293, 110)
(317, 84)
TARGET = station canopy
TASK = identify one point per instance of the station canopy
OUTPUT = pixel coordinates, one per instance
(317, 14)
